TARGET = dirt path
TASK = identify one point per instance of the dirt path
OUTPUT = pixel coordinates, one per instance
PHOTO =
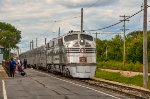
(125, 73)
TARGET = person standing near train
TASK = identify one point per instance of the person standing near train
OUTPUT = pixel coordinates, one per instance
(25, 63)
(12, 67)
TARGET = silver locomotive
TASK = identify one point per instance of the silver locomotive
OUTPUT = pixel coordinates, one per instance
(73, 54)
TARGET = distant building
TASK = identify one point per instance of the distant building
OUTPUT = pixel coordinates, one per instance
(1, 53)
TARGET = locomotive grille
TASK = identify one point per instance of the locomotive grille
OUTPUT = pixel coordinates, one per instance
(77, 50)
(73, 50)
(90, 50)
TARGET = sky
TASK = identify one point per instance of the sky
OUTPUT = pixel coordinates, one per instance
(42, 18)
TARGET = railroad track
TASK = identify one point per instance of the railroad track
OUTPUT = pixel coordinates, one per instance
(129, 91)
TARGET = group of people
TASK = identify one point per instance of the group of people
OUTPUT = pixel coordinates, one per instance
(16, 65)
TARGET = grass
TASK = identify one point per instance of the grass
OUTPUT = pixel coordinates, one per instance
(135, 80)
(138, 67)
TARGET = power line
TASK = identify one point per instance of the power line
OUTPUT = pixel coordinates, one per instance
(69, 18)
(108, 34)
(92, 4)
(141, 9)
(118, 22)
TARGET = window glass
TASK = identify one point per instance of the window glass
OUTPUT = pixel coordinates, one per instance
(55, 42)
(71, 37)
(87, 37)
(1, 51)
(47, 45)
(51, 44)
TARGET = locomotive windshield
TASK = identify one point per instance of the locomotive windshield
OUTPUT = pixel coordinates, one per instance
(71, 37)
(87, 37)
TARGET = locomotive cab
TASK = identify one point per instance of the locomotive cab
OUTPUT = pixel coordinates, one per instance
(81, 54)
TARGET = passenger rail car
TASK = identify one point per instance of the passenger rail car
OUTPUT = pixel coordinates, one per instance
(73, 54)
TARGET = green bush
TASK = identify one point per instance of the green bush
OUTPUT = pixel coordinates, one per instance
(138, 67)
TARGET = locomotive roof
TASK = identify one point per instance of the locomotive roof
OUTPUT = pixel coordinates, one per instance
(70, 32)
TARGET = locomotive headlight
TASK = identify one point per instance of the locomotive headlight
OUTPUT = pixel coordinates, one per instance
(82, 42)
(82, 50)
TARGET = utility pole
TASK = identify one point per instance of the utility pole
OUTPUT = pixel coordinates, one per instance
(81, 24)
(45, 41)
(124, 38)
(106, 52)
(96, 36)
(96, 44)
(145, 60)
(32, 45)
(18, 52)
(36, 42)
(59, 32)
(81, 20)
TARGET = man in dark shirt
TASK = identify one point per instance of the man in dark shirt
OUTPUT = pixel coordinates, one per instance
(12, 66)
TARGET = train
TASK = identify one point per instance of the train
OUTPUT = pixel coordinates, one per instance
(73, 55)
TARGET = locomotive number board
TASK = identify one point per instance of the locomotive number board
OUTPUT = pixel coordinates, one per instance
(83, 59)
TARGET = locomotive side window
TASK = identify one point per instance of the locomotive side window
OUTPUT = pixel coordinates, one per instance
(47, 45)
(52, 43)
(71, 37)
(87, 37)
(55, 42)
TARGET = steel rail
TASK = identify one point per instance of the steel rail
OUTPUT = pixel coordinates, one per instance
(128, 90)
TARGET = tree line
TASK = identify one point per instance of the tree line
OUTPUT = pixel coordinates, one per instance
(9, 38)
(114, 48)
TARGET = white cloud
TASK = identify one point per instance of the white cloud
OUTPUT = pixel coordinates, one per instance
(35, 18)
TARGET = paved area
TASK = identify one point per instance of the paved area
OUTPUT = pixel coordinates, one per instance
(39, 85)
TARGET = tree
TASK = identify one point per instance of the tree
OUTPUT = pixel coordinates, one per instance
(114, 49)
(100, 47)
(134, 47)
(115, 46)
(9, 37)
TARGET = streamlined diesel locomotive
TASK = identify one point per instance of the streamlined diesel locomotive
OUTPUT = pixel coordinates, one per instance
(73, 54)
